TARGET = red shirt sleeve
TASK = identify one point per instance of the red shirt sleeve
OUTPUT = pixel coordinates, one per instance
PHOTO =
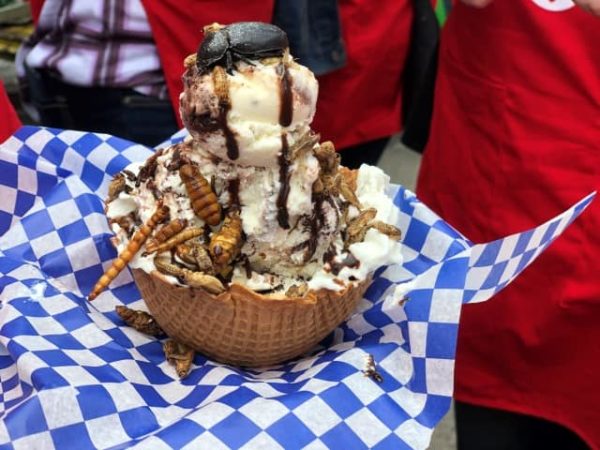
(9, 121)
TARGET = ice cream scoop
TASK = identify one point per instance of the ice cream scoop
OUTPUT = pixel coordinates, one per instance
(240, 114)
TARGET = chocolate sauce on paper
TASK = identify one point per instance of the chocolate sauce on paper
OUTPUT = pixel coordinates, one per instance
(286, 110)
(283, 217)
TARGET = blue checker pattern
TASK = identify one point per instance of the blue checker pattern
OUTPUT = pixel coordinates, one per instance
(57, 349)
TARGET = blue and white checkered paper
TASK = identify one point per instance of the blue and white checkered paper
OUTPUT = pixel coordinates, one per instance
(72, 375)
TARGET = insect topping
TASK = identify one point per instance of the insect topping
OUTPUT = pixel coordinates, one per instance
(133, 246)
(202, 198)
(242, 41)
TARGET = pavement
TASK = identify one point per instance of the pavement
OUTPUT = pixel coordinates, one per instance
(402, 165)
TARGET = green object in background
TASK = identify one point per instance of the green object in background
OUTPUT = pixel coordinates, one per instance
(6, 2)
(442, 9)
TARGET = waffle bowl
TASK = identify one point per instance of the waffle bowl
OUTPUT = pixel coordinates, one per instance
(242, 327)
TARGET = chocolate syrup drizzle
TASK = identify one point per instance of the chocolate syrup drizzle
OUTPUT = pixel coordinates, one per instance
(176, 160)
(285, 90)
(312, 224)
(149, 168)
(233, 187)
(233, 151)
(284, 178)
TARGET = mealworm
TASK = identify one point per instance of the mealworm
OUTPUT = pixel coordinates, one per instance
(180, 237)
(202, 198)
(133, 246)
(166, 232)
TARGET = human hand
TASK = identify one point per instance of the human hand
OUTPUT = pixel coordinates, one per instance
(481, 3)
(591, 6)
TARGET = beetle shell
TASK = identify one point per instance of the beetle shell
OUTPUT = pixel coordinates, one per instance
(242, 40)
(213, 48)
(257, 38)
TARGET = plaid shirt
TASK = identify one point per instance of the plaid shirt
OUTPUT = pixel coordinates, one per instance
(97, 43)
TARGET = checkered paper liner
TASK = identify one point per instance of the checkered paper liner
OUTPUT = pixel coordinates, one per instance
(73, 375)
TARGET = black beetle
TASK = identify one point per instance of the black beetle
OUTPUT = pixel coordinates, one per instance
(241, 41)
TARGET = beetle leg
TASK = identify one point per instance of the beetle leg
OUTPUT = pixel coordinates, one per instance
(229, 63)
(244, 58)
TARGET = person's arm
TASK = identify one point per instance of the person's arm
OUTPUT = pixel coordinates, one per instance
(9, 121)
(591, 6)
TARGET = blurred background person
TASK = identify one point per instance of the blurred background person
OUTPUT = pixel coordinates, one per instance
(515, 140)
(93, 66)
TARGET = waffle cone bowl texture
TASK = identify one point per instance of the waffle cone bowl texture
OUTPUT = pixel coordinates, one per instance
(242, 327)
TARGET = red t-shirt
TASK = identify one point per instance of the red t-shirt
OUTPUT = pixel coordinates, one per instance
(515, 140)
(9, 122)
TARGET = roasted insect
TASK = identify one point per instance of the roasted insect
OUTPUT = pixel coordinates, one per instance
(350, 176)
(195, 254)
(239, 41)
(327, 184)
(329, 159)
(140, 320)
(116, 186)
(357, 227)
(193, 279)
(149, 168)
(180, 355)
(202, 258)
(203, 281)
(297, 290)
(370, 369)
(189, 61)
(221, 84)
(303, 144)
(163, 234)
(125, 222)
(134, 245)
(185, 253)
(347, 192)
(226, 243)
(389, 230)
(187, 234)
(202, 198)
